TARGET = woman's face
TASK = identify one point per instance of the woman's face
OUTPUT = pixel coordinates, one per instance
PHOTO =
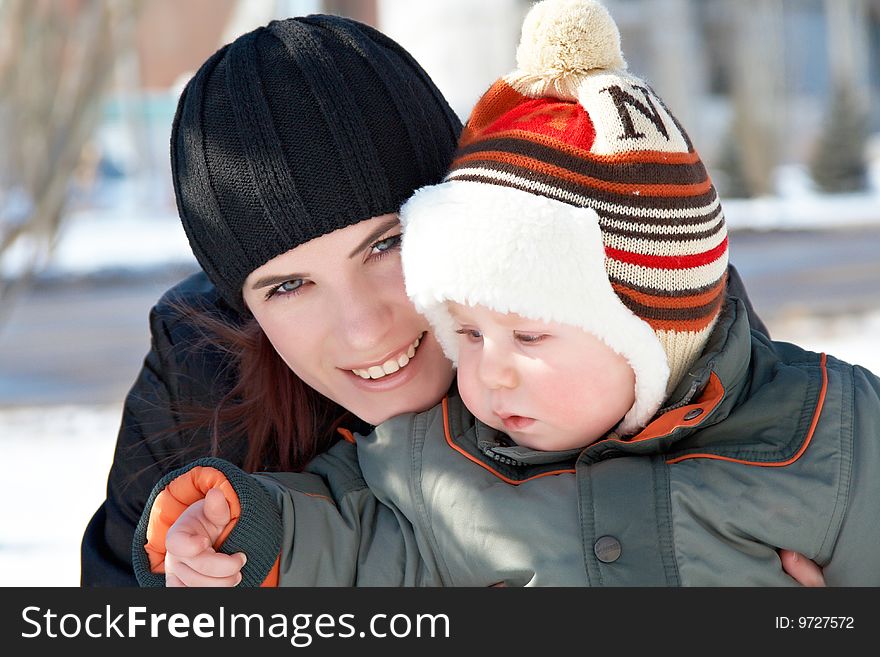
(336, 311)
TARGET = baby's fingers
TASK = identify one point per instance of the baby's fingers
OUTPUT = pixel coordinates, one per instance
(216, 508)
(217, 564)
(805, 571)
(191, 578)
(184, 544)
(173, 581)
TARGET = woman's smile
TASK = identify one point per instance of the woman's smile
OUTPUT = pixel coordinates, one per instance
(397, 377)
(389, 365)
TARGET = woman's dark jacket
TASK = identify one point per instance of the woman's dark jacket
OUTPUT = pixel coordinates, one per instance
(177, 374)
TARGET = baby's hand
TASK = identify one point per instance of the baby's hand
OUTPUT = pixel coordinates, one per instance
(190, 558)
(804, 571)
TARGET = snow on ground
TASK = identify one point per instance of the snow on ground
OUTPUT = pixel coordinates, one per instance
(850, 338)
(798, 205)
(94, 241)
(56, 464)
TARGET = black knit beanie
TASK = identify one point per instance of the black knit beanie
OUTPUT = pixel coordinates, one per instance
(297, 129)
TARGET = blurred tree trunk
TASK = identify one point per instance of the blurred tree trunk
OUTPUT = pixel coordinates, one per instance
(56, 62)
(364, 11)
(848, 46)
(678, 66)
(839, 163)
(757, 87)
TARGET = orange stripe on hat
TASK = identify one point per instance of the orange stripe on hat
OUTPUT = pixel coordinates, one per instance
(638, 156)
(500, 98)
(672, 300)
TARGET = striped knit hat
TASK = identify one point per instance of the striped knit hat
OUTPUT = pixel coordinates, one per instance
(575, 196)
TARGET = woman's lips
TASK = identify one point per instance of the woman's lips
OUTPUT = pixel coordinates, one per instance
(391, 364)
(390, 381)
(516, 422)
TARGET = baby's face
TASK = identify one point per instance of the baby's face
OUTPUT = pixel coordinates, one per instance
(548, 386)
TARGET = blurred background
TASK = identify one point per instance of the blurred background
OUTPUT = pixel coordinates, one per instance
(780, 97)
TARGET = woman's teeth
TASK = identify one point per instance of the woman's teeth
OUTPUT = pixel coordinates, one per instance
(391, 365)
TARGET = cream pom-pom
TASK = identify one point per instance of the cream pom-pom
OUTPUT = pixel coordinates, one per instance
(565, 37)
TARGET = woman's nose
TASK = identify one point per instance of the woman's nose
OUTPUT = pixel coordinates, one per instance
(364, 319)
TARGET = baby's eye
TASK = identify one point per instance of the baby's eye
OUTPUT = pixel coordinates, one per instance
(529, 338)
(470, 334)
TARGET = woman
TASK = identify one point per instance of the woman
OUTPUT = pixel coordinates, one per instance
(293, 146)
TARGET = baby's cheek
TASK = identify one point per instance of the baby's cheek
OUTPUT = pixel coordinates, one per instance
(471, 392)
(563, 397)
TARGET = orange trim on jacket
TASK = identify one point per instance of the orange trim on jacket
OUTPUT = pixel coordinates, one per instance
(347, 435)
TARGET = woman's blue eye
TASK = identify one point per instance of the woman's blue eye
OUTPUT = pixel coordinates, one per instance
(287, 287)
(530, 338)
(383, 246)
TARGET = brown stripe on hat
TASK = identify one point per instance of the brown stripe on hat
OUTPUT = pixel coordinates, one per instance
(661, 292)
(680, 224)
(676, 319)
(672, 308)
(661, 237)
(683, 326)
(676, 315)
(617, 170)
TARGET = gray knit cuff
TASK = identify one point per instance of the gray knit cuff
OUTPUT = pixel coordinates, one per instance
(257, 532)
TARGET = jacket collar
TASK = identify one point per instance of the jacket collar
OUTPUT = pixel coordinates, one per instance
(727, 354)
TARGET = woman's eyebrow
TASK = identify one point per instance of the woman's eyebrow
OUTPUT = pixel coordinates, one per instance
(266, 281)
(384, 226)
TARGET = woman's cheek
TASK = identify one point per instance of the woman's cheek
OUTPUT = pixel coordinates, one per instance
(294, 343)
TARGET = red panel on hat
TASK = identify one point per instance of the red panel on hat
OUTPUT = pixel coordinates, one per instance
(565, 121)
